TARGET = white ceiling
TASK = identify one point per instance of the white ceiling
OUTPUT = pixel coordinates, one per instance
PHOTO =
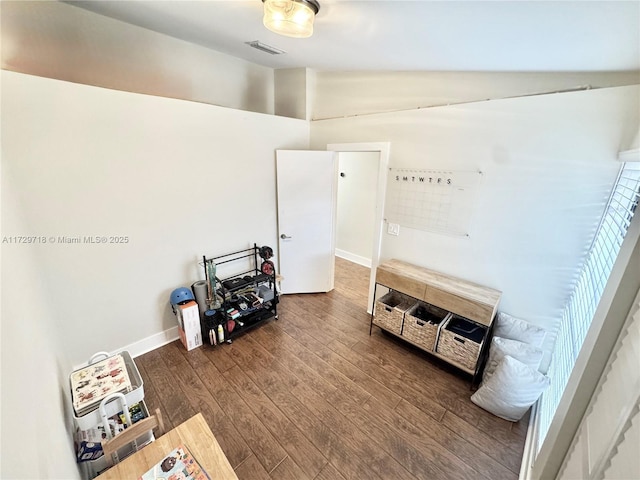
(514, 36)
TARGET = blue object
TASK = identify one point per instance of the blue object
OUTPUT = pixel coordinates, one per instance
(181, 295)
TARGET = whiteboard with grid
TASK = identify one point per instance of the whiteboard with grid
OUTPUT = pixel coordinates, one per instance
(433, 200)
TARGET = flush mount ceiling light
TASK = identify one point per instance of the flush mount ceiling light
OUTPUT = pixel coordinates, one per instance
(291, 18)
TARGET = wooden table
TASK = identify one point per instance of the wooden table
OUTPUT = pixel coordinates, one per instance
(198, 438)
(468, 299)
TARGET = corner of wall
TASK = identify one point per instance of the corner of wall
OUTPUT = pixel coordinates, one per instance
(294, 89)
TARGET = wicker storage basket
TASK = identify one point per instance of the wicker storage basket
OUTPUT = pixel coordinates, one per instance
(390, 310)
(421, 324)
(460, 340)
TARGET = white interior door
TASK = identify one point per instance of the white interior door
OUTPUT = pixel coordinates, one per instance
(307, 199)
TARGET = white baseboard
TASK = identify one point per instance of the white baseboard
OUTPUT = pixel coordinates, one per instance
(352, 257)
(530, 444)
(152, 342)
(145, 345)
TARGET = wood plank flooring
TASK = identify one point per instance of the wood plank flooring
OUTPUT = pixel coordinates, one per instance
(314, 396)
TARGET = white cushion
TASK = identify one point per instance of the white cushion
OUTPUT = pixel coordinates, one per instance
(514, 328)
(527, 354)
(511, 390)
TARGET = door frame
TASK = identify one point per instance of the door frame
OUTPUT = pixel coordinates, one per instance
(383, 149)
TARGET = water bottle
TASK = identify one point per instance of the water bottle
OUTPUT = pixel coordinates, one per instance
(220, 334)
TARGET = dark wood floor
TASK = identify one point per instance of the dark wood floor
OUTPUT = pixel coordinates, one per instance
(313, 396)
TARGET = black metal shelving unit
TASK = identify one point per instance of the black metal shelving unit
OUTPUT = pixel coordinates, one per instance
(233, 290)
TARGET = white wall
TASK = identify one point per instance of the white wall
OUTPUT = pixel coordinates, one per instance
(356, 205)
(294, 92)
(342, 94)
(179, 179)
(35, 439)
(548, 164)
(58, 40)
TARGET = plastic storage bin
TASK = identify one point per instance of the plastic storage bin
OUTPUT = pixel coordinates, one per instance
(135, 395)
(93, 468)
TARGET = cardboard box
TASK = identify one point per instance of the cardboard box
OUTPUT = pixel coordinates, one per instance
(189, 325)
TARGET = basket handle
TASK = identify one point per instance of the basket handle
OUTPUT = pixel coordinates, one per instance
(388, 308)
(458, 339)
(98, 356)
(420, 323)
(103, 411)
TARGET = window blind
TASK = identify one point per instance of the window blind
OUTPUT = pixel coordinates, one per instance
(581, 306)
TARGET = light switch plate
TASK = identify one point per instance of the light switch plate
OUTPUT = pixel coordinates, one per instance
(393, 229)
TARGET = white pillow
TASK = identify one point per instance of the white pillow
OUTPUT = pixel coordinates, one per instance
(527, 354)
(514, 328)
(511, 390)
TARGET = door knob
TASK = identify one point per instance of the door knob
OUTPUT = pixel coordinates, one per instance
(284, 237)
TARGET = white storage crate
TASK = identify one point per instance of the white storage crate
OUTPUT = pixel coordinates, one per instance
(136, 394)
(93, 468)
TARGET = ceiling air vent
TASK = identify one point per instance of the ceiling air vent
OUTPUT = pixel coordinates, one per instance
(265, 48)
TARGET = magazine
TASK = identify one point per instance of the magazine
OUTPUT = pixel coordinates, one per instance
(91, 384)
(177, 465)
